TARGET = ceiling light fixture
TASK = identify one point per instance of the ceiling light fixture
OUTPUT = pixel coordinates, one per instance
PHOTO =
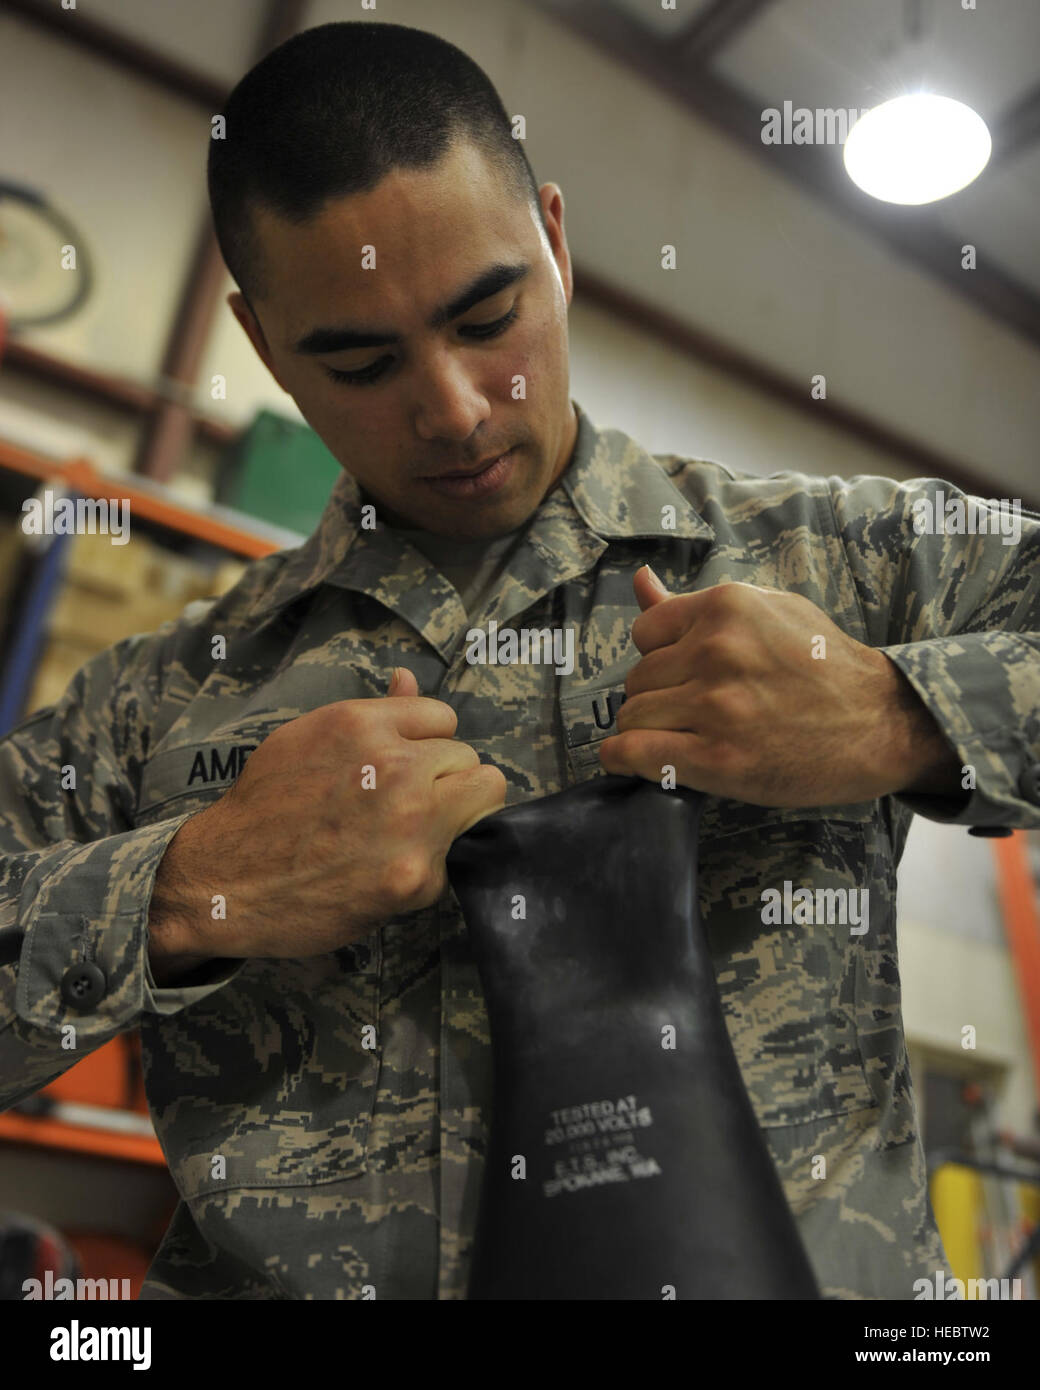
(916, 149)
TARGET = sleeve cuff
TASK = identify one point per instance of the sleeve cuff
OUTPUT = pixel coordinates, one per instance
(84, 960)
(982, 691)
(171, 998)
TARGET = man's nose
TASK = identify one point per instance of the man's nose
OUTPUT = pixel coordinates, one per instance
(448, 403)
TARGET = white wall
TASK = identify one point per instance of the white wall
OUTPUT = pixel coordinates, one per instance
(126, 163)
(673, 404)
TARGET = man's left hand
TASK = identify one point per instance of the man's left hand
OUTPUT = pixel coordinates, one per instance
(755, 695)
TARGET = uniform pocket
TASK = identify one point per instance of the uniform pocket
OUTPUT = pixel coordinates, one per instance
(798, 975)
(270, 1081)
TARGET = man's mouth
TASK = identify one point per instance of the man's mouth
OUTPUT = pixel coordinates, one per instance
(469, 472)
(483, 480)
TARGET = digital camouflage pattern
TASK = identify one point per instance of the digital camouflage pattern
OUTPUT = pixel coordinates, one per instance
(354, 1170)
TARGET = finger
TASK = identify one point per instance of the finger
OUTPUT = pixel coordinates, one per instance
(403, 682)
(463, 798)
(675, 707)
(444, 757)
(420, 716)
(667, 666)
(646, 752)
(667, 621)
(648, 588)
(721, 605)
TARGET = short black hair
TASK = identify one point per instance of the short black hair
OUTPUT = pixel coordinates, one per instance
(331, 111)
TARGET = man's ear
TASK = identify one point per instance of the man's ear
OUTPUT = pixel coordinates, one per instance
(550, 195)
(239, 306)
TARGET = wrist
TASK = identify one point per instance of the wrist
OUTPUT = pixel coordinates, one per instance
(920, 759)
(178, 913)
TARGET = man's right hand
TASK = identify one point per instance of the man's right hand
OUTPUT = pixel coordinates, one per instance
(306, 858)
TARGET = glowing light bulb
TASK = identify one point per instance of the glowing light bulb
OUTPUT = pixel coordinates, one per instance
(917, 149)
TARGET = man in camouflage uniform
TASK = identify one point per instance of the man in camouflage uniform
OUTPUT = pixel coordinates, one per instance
(316, 1046)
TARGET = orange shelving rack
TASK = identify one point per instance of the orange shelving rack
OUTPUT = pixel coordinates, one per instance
(98, 1105)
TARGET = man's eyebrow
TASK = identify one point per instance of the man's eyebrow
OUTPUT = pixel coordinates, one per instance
(497, 277)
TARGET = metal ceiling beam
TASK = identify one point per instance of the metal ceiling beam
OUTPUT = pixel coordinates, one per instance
(1017, 128)
(106, 388)
(816, 169)
(77, 27)
(715, 27)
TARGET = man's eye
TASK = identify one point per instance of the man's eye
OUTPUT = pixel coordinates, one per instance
(480, 331)
(490, 330)
(364, 376)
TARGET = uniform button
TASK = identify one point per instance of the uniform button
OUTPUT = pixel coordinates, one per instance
(1029, 784)
(991, 832)
(83, 985)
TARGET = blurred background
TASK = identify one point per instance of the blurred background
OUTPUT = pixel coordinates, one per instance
(124, 374)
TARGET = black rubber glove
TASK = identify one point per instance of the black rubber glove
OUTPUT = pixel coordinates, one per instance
(616, 1090)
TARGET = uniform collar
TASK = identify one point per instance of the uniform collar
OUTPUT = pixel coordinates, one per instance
(616, 491)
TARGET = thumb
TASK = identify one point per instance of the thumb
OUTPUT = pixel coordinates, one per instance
(648, 588)
(402, 682)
